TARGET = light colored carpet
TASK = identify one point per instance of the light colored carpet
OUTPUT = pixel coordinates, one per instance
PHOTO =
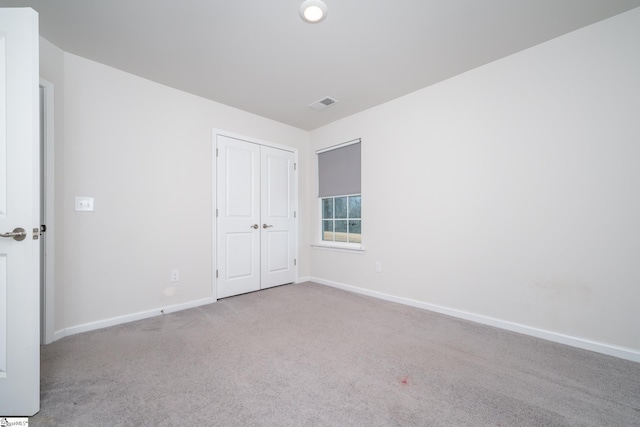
(310, 355)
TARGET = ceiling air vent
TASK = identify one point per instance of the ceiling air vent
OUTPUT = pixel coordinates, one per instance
(323, 103)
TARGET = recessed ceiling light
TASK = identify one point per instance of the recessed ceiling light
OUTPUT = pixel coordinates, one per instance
(313, 11)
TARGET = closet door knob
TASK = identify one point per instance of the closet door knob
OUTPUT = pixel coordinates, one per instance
(255, 226)
(266, 226)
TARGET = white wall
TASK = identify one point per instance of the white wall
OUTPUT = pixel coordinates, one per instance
(144, 152)
(510, 192)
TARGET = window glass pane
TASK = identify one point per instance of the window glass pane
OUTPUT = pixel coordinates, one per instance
(327, 208)
(341, 207)
(354, 207)
(327, 230)
(355, 231)
(355, 237)
(341, 231)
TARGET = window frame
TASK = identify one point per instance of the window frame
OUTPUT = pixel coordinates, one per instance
(319, 243)
(348, 219)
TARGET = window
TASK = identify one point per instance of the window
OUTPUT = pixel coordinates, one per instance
(339, 194)
(341, 221)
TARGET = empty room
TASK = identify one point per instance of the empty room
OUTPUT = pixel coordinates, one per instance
(320, 213)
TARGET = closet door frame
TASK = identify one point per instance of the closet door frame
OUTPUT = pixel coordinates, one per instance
(214, 236)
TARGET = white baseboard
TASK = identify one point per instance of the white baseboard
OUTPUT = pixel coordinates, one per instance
(611, 350)
(91, 326)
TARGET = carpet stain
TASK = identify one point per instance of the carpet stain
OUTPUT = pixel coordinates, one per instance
(405, 380)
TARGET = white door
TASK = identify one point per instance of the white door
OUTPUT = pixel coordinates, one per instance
(277, 215)
(255, 227)
(238, 217)
(19, 208)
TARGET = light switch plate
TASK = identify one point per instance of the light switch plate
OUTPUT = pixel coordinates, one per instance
(84, 204)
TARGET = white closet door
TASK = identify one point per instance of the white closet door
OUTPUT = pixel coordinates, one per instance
(238, 221)
(278, 222)
(255, 230)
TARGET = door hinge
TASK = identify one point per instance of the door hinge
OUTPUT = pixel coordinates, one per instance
(295, 166)
(295, 261)
(295, 214)
(217, 152)
(216, 274)
(216, 213)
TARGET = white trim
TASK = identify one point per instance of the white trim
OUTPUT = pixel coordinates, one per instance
(296, 217)
(49, 210)
(303, 279)
(252, 140)
(100, 324)
(339, 248)
(585, 344)
(335, 147)
(214, 218)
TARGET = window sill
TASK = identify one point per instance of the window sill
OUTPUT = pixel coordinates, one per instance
(339, 248)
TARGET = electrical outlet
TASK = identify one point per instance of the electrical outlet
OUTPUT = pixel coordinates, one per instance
(378, 267)
(175, 275)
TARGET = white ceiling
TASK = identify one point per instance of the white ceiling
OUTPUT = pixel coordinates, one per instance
(259, 56)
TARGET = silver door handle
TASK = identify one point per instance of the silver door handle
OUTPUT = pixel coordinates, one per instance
(266, 226)
(255, 226)
(18, 234)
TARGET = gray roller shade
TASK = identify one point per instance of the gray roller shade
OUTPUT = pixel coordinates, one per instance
(339, 171)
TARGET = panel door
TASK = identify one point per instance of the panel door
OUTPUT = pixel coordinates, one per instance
(238, 217)
(19, 208)
(255, 224)
(277, 214)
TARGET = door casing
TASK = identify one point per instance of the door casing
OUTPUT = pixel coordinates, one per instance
(47, 190)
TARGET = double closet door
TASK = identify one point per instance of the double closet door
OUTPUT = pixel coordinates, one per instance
(255, 216)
